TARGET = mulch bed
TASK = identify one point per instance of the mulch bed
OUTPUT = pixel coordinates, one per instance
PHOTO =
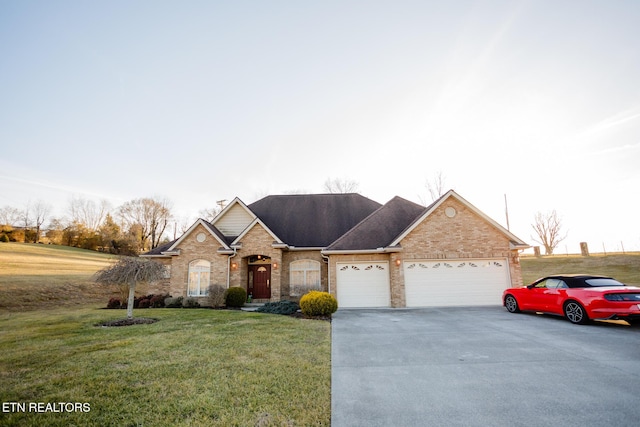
(128, 322)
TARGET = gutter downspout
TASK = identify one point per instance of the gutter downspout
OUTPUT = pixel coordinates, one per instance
(235, 252)
(328, 271)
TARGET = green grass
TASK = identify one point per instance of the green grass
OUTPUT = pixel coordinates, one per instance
(624, 267)
(195, 367)
(36, 276)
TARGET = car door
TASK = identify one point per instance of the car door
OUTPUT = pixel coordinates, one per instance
(541, 295)
(555, 295)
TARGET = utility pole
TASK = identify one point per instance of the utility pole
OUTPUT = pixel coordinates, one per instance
(506, 211)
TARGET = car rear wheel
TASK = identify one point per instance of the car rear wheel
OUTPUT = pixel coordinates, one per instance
(511, 304)
(575, 313)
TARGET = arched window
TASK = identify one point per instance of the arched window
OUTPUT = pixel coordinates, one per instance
(199, 271)
(304, 276)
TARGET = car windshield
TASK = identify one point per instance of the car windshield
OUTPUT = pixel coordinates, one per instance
(603, 282)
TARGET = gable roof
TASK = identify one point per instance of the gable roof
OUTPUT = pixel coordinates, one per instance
(209, 227)
(312, 220)
(515, 242)
(380, 228)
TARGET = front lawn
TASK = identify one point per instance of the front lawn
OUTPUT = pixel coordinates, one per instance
(195, 367)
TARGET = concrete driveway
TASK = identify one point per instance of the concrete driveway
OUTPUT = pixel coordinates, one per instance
(481, 366)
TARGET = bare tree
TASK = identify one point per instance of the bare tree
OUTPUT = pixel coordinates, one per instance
(87, 212)
(25, 218)
(436, 186)
(208, 214)
(9, 216)
(338, 185)
(130, 271)
(41, 211)
(151, 215)
(548, 228)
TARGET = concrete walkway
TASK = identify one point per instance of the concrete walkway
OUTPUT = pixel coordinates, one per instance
(482, 367)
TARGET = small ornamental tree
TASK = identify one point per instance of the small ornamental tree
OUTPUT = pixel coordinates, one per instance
(130, 271)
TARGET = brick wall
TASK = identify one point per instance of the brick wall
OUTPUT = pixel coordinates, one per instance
(258, 242)
(191, 250)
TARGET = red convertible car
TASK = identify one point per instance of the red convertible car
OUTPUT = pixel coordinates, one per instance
(578, 297)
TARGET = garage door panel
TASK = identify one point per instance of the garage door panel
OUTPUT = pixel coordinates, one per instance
(455, 282)
(363, 284)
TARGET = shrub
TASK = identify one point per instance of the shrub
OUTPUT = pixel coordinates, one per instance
(235, 297)
(4, 238)
(216, 295)
(114, 303)
(317, 303)
(144, 303)
(190, 303)
(173, 302)
(280, 307)
(157, 301)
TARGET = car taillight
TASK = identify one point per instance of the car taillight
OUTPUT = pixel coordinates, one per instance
(622, 297)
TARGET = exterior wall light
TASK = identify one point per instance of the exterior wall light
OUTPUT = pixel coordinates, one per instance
(398, 262)
(234, 266)
(275, 265)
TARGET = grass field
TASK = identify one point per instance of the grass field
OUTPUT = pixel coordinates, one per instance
(195, 367)
(39, 276)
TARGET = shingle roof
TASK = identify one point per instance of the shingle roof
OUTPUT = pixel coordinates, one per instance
(312, 220)
(159, 249)
(380, 228)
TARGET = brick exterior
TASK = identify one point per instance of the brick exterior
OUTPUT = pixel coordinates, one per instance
(257, 241)
(465, 235)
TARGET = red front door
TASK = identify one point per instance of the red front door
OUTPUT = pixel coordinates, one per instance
(260, 285)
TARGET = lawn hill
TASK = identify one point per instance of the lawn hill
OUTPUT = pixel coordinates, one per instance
(34, 276)
(623, 267)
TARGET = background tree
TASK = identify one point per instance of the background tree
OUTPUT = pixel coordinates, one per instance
(41, 211)
(88, 213)
(338, 185)
(25, 219)
(151, 218)
(9, 216)
(548, 229)
(436, 187)
(131, 271)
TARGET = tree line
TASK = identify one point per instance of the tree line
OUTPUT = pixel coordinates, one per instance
(133, 227)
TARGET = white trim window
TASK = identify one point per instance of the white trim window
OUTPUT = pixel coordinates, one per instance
(304, 276)
(199, 272)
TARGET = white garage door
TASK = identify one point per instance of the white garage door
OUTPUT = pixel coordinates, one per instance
(455, 282)
(363, 284)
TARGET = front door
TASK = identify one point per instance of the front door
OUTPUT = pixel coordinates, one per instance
(260, 285)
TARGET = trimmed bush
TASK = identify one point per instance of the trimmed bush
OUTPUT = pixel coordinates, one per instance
(317, 303)
(114, 303)
(235, 297)
(144, 303)
(216, 295)
(190, 303)
(157, 301)
(173, 302)
(281, 307)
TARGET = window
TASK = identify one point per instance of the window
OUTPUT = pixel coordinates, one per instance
(304, 276)
(199, 272)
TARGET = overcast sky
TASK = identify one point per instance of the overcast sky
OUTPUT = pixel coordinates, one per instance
(198, 101)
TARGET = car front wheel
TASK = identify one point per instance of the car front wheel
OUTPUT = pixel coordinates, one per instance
(511, 304)
(575, 313)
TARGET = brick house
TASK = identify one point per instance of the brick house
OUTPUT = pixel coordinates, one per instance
(399, 254)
